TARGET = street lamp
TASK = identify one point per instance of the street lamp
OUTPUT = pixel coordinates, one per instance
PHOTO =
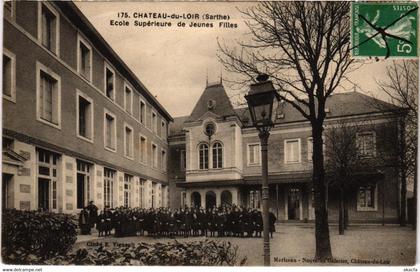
(263, 101)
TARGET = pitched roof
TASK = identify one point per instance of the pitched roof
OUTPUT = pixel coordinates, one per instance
(340, 104)
(222, 108)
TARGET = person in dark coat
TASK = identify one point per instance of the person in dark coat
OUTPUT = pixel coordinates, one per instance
(93, 214)
(172, 226)
(195, 223)
(108, 221)
(247, 223)
(100, 224)
(235, 224)
(221, 224)
(257, 222)
(178, 221)
(188, 219)
(272, 222)
(203, 221)
(212, 223)
(84, 224)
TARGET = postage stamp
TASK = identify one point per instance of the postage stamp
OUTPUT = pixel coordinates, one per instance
(384, 29)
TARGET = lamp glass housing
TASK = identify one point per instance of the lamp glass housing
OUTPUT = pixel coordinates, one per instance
(263, 107)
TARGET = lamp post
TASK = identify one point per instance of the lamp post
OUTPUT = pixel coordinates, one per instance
(262, 101)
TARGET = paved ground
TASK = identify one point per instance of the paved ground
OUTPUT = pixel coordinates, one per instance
(295, 245)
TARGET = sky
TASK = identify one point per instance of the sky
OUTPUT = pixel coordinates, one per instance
(174, 62)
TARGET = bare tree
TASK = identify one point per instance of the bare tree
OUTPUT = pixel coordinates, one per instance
(344, 162)
(401, 87)
(304, 47)
(341, 162)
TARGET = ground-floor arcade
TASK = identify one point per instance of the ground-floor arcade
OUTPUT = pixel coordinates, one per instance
(372, 199)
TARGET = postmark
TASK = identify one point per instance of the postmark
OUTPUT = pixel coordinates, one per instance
(384, 29)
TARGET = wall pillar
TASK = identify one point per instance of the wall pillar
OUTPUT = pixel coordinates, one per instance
(158, 195)
(188, 198)
(203, 198)
(97, 177)
(218, 197)
(135, 192)
(25, 178)
(235, 196)
(69, 193)
(148, 194)
(119, 192)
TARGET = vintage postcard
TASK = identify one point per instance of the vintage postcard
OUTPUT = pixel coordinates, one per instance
(209, 134)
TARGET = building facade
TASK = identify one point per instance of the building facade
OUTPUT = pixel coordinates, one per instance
(215, 159)
(78, 125)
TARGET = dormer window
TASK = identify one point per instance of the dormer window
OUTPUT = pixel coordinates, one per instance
(211, 104)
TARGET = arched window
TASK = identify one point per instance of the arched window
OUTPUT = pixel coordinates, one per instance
(217, 155)
(204, 156)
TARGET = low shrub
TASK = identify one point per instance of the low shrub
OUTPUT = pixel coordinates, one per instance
(30, 237)
(207, 253)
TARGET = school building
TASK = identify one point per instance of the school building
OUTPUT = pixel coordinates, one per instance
(78, 125)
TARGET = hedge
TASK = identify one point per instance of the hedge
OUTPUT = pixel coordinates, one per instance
(30, 237)
(207, 252)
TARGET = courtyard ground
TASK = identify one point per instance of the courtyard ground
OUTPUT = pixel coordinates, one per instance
(295, 245)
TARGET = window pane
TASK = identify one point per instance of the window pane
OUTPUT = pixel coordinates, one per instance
(44, 171)
(109, 133)
(142, 112)
(204, 156)
(109, 84)
(362, 197)
(84, 60)
(251, 154)
(183, 158)
(48, 101)
(127, 100)
(48, 26)
(84, 118)
(292, 151)
(7, 75)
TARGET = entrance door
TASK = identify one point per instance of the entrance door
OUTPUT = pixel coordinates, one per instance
(80, 191)
(293, 204)
(43, 194)
(7, 191)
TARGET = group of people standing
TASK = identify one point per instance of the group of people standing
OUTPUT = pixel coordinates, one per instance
(221, 221)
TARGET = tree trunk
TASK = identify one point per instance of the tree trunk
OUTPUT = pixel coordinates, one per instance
(403, 171)
(346, 213)
(341, 212)
(403, 212)
(322, 233)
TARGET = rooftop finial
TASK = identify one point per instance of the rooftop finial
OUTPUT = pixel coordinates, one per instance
(207, 77)
(221, 76)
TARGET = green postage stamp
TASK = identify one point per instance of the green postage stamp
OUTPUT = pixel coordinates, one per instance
(384, 29)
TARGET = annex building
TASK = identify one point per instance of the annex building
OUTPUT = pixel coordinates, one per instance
(78, 125)
(215, 159)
